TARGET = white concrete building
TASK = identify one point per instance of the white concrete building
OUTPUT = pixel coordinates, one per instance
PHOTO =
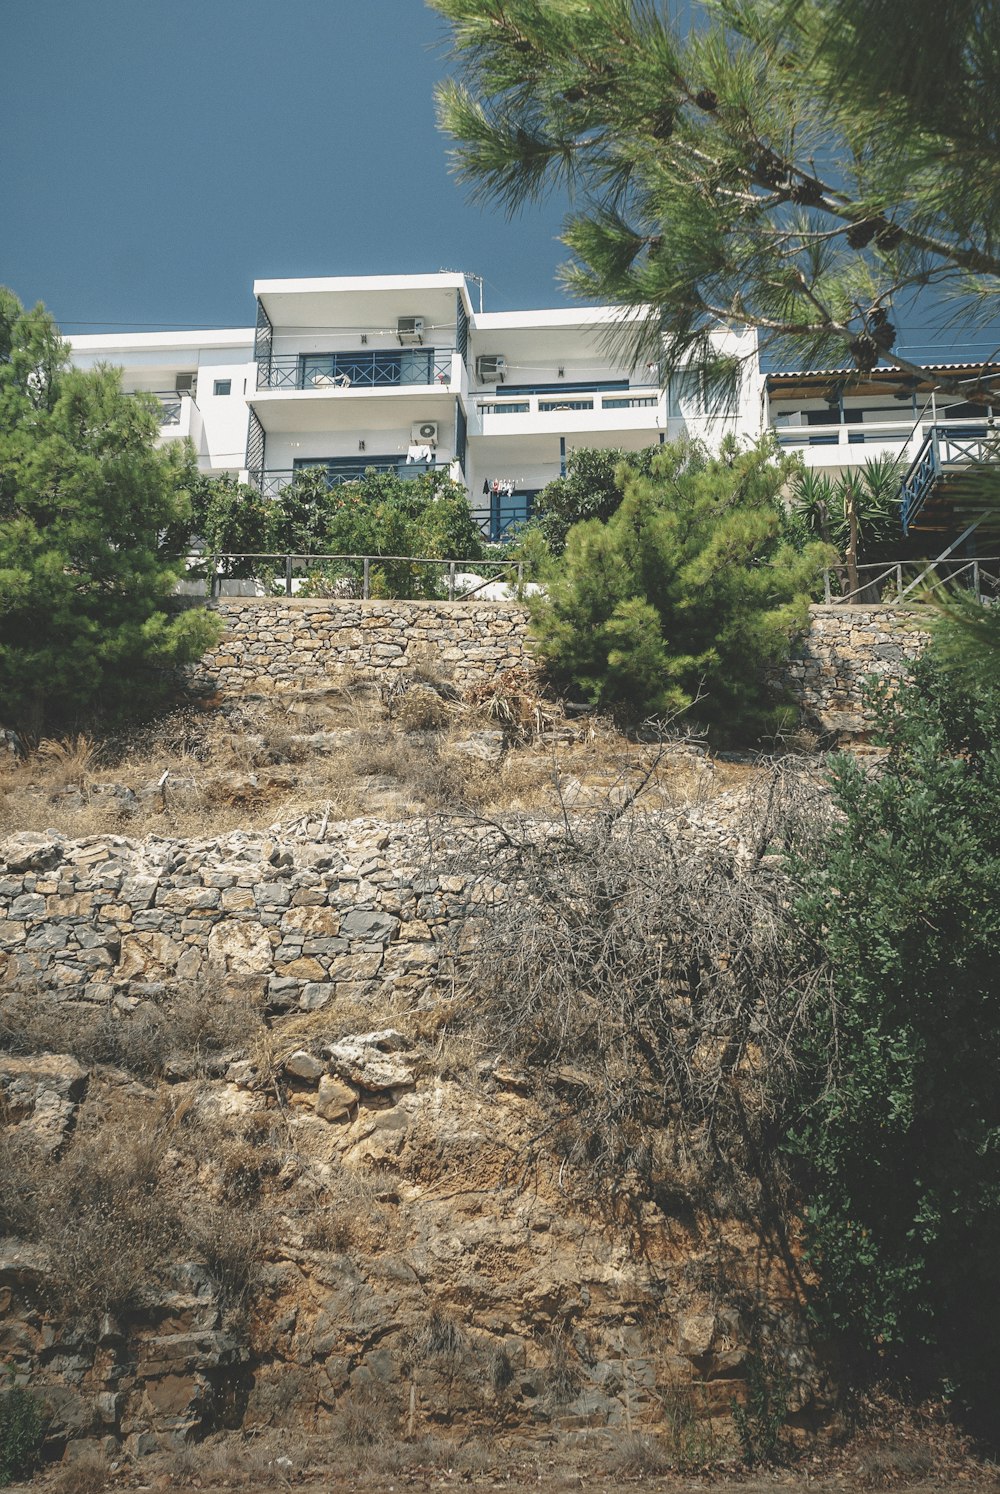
(202, 380)
(402, 373)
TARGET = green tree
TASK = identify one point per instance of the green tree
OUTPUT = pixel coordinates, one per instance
(800, 168)
(591, 489)
(686, 592)
(234, 518)
(899, 1130)
(91, 518)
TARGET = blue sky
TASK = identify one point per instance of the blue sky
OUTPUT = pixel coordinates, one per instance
(159, 155)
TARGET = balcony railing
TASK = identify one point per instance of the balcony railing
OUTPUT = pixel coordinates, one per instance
(381, 369)
(555, 402)
(273, 481)
(889, 582)
(170, 405)
(945, 447)
(352, 576)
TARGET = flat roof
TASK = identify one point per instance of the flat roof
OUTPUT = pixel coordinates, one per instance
(347, 284)
(224, 337)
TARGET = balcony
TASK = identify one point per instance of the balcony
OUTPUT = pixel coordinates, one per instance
(849, 445)
(272, 481)
(573, 412)
(939, 489)
(382, 369)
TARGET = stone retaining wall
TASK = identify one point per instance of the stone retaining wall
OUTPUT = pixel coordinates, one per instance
(283, 644)
(277, 644)
(844, 647)
(302, 921)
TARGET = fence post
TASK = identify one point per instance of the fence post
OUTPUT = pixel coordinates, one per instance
(899, 580)
(366, 580)
(520, 576)
(827, 593)
(288, 575)
(451, 580)
(975, 581)
(213, 579)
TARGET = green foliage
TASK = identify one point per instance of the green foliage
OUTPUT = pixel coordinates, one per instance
(20, 1433)
(380, 514)
(232, 518)
(824, 507)
(759, 1421)
(93, 519)
(790, 167)
(591, 489)
(899, 1140)
(686, 592)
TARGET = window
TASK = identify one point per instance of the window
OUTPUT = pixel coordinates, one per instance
(223, 386)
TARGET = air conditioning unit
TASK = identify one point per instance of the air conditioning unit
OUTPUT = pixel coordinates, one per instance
(184, 383)
(410, 329)
(424, 433)
(490, 368)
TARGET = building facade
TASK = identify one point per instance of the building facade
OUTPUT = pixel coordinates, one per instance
(402, 373)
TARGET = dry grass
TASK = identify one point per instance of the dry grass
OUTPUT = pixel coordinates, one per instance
(188, 1028)
(116, 1210)
(411, 747)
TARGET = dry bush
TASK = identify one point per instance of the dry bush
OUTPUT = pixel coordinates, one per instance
(231, 1461)
(639, 1456)
(365, 1418)
(654, 982)
(513, 701)
(114, 1216)
(88, 1473)
(421, 709)
(67, 760)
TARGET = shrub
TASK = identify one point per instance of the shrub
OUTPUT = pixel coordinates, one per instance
(593, 488)
(899, 1136)
(20, 1433)
(94, 521)
(686, 594)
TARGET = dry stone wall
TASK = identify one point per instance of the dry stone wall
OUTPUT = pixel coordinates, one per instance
(844, 647)
(276, 644)
(306, 921)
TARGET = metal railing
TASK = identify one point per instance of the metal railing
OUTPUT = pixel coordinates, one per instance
(381, 368)
(639, 397)
(352, 576)
(170, 405)
(891, 581)
(273, 481)
(944, 446)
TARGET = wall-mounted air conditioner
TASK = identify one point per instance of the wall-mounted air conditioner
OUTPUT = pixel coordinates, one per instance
(491, 368)
(410, 329)
(424, 433)
(184, 383)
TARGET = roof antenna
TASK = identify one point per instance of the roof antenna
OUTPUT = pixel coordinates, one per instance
(469, 276)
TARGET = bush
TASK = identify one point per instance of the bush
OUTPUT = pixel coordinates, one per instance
(20, 1433)
(94, 521)
(685, 594)
(593, 488)
(899, 1137)
(233, 518)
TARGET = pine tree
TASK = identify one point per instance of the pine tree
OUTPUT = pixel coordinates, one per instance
(686, 596)
(799, 168)
(92, 523)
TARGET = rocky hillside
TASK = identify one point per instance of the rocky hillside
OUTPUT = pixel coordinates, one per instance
(290, 1138)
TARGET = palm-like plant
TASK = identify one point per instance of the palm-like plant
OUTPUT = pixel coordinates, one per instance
(858, 513)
